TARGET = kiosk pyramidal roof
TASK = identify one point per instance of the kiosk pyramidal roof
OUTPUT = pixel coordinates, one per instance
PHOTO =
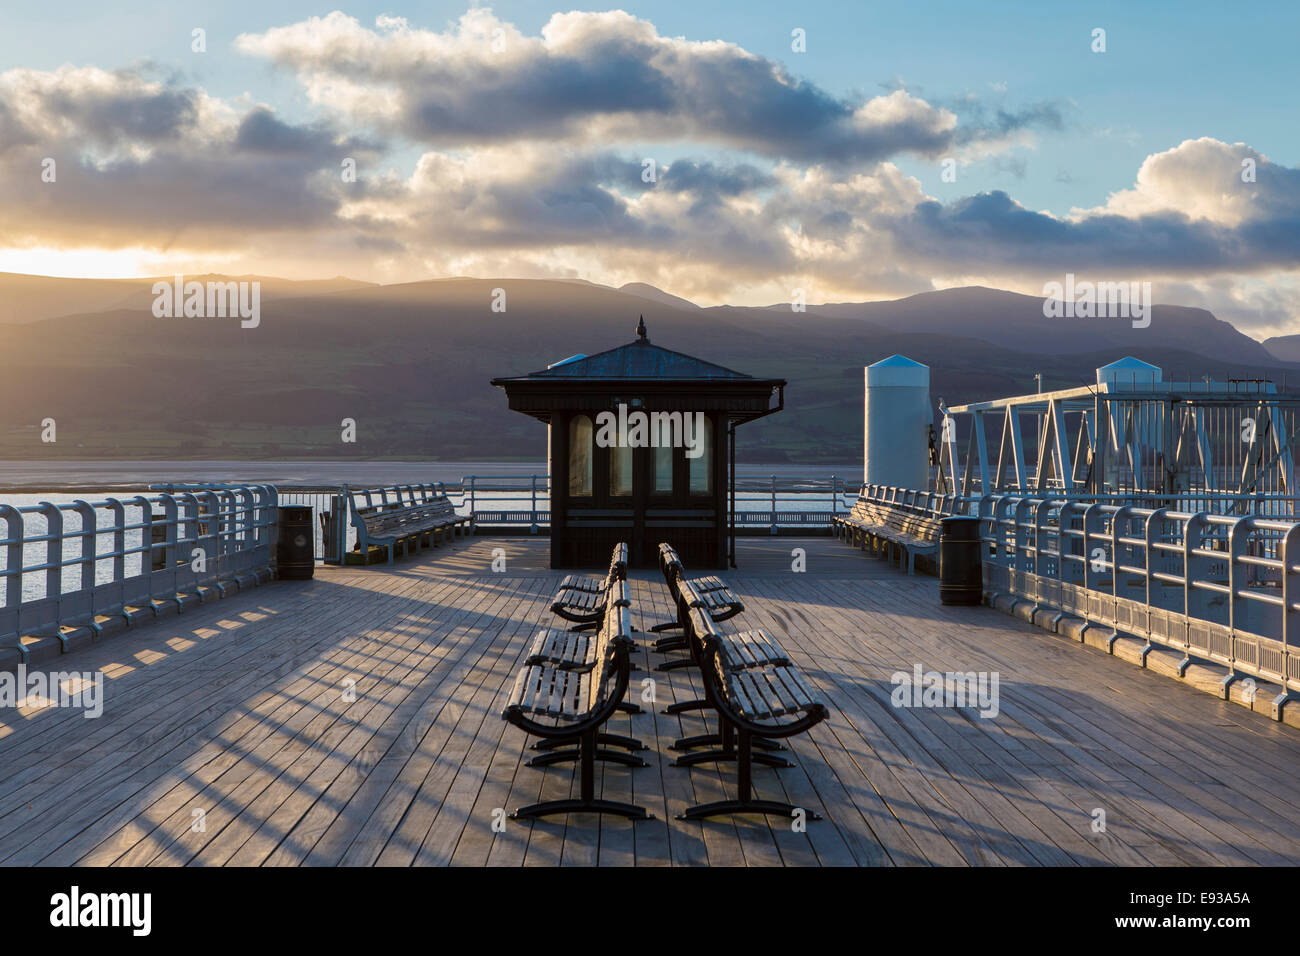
(638, 360)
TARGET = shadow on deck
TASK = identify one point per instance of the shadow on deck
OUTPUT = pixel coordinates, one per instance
(354, 719)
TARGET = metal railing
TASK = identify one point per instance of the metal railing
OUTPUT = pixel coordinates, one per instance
(791, 500)
(503, 500)
(1219, 588)
(931, 504)
(71, 564)
(765, 501)
(522, 503)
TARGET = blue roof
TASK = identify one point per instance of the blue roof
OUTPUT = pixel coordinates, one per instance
(1129, 362)
(897, 361)
(639, 360)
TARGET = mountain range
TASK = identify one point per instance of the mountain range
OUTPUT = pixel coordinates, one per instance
(410, 362)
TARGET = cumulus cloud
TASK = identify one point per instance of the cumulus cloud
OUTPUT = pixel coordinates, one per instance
(526, 158)
(1202, 179)
(600, 77)
(141, 161)
(1189, 212)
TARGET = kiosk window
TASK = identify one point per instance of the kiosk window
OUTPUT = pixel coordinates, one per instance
(580, 446)
(702, 467)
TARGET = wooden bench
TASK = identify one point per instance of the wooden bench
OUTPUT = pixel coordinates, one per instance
(883, 527)
(739, 651)
(576, 649)
(581, 598)
(562, 700)
(717, 597)
(427, 520)
(756, 701)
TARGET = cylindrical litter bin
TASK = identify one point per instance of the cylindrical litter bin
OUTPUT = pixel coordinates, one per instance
(961, 575)
(295, 549)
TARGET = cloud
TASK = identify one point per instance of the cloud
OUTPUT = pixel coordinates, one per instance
(1201, 179)
(600, 78)
(143, 162)
(1189, 213)
(529, 159)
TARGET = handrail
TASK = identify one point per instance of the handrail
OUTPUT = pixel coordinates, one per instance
(55, 574)
(1219, 588)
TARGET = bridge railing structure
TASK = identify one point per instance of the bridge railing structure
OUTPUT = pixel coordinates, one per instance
(85, 563)
(771, 502)
(1219, 446)
(1219, 588)
(763, 502)
(521, 503)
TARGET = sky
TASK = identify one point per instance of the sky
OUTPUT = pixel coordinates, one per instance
(726, 152)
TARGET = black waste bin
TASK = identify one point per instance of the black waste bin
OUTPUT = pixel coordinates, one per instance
(961, 574)
(295, 549)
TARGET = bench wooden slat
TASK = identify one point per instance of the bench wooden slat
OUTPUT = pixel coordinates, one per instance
(582, 604)
(754, 648)
(769, 693)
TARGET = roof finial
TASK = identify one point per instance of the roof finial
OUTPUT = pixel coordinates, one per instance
(640, 330)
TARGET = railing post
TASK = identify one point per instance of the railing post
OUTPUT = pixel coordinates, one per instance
(773, 528)
(1154, 519)
(1236, 548)
(1091, 524)
(118, 510)
(532, 514)
(1290, 553)
(171, 515)
(87, 514)
(1117, 518)
(53, 555)
(13, 575)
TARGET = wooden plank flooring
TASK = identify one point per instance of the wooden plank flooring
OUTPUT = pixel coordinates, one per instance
(355, 720)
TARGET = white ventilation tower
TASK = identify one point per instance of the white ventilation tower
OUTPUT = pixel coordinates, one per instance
(897, 419)
(1129, 373)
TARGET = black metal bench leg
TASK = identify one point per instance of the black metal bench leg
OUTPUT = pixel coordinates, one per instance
(682, 707)
(665, 644)
(699, 740)
(708, 740)
(535, 810)
(612, 740)
(587, 802)
(744, 802)
(726, 807)
(552, 757)
(676, 665)
(627, 708)
(728, 751)
(697, 757)
(665, 626)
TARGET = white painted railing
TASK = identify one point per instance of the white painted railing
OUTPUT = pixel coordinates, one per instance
(78, 564)
(1219, 588)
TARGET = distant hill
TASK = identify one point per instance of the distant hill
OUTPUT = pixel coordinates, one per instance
(1017, 321)
(411, 363)
(646, 291)
(1284, 348)
(25, 298)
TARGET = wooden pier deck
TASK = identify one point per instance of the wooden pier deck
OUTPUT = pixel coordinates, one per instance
(227, 736)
